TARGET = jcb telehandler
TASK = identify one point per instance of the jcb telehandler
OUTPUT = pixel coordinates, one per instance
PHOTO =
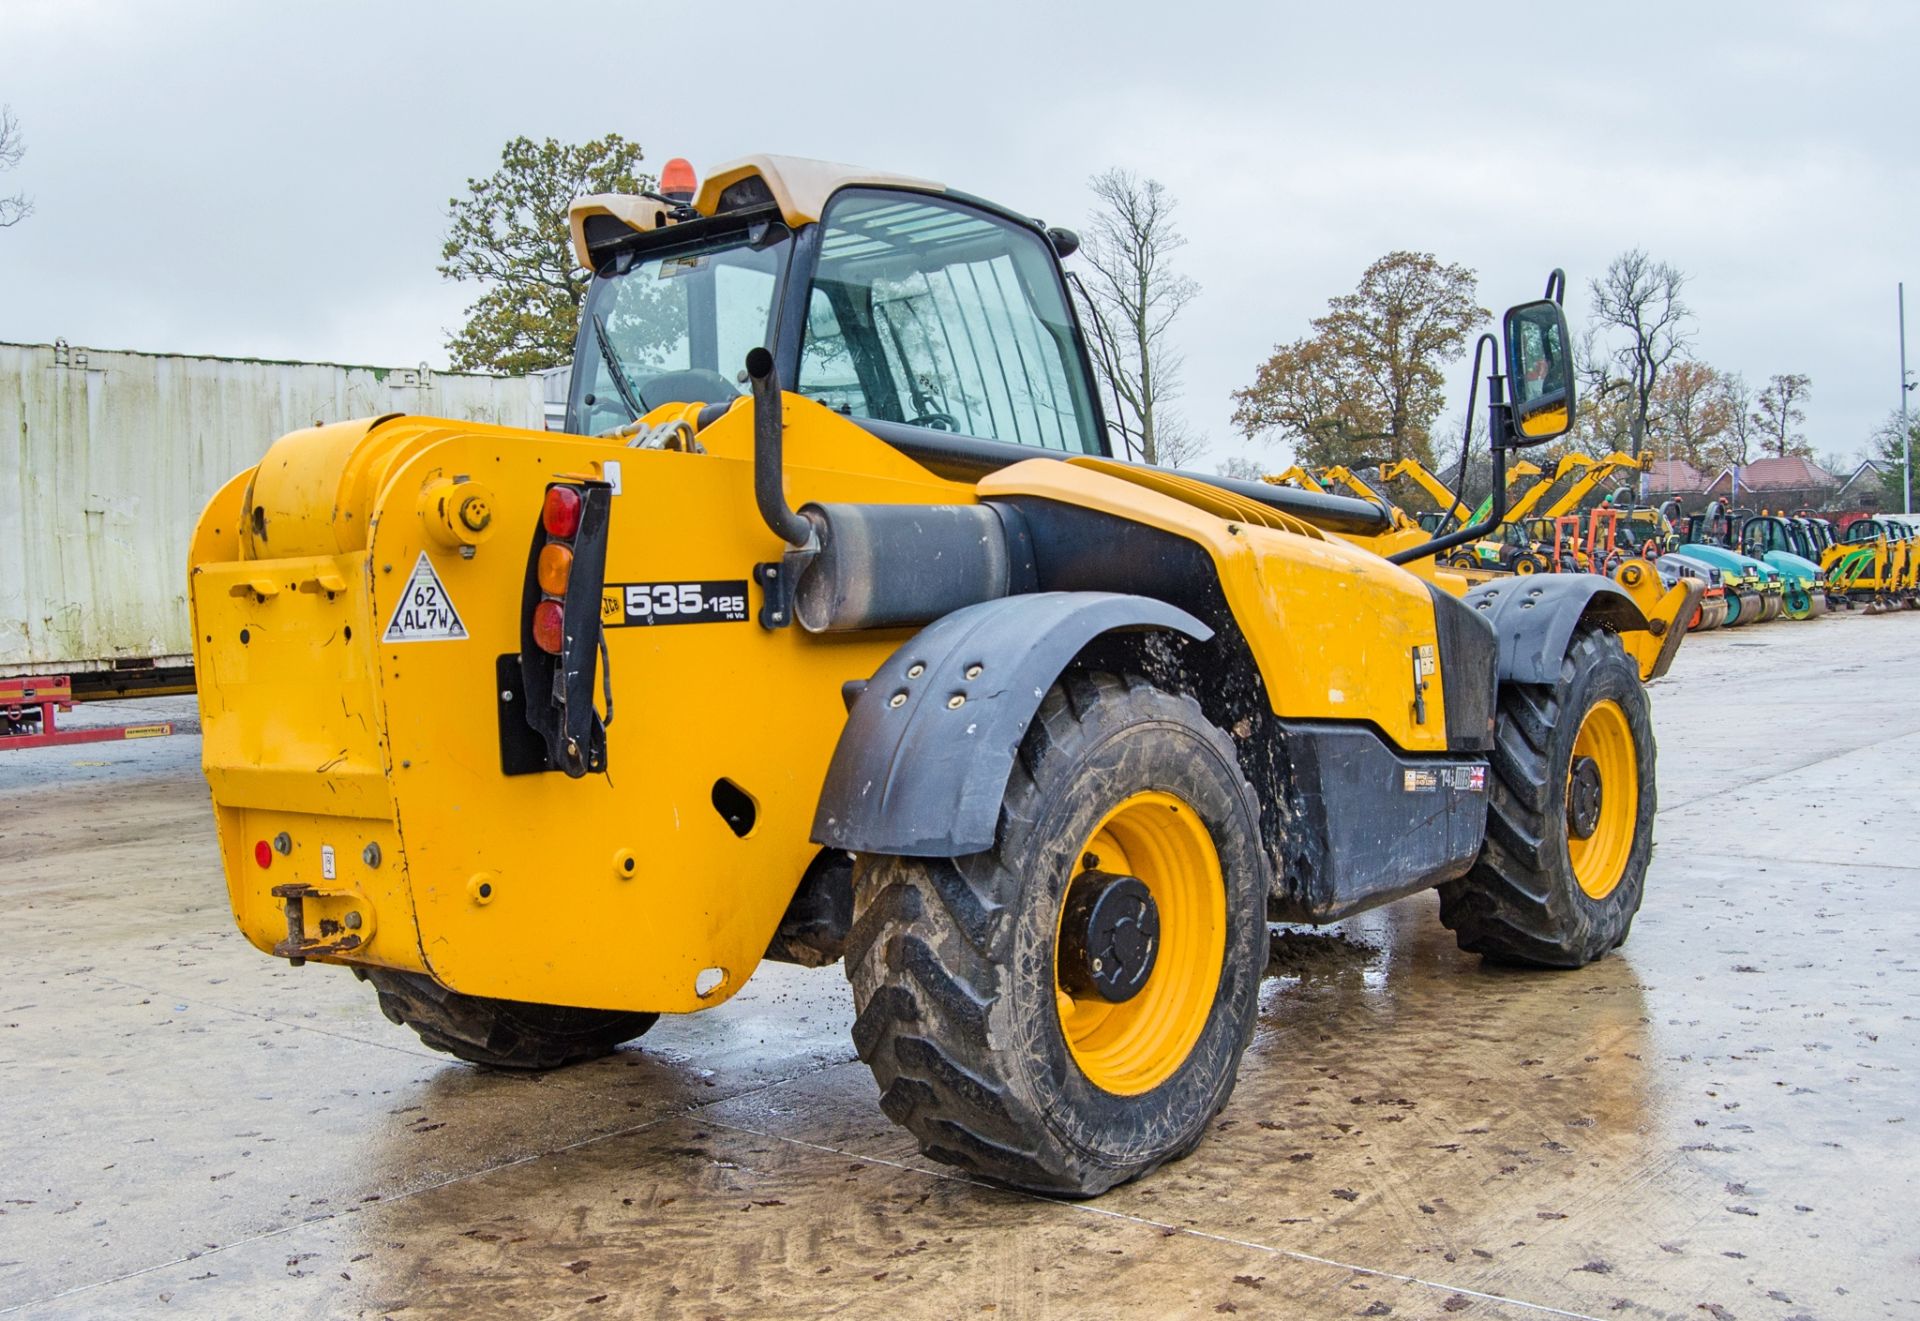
(832, 631)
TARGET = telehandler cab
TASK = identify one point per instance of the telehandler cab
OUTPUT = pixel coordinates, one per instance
(833, 631)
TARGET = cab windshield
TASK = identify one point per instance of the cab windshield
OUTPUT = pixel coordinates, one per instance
(674, 324)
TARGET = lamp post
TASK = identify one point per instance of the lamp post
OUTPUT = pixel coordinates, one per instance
(1906, 437)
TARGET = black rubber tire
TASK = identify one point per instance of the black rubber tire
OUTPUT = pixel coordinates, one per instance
(1520, 902)
(1462, 559)
(501, 1034)
(952, 966)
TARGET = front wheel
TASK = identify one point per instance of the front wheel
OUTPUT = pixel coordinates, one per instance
(1570, 817)
(1067, 1011)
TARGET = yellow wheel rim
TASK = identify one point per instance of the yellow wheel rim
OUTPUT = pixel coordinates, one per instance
(1133, 1047)
(1600, 859)
(1523, 567)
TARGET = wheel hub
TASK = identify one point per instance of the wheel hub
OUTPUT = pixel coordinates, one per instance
(1109, 937)
(1583, 798)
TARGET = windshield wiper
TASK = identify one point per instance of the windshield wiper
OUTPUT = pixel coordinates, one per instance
(629, 393)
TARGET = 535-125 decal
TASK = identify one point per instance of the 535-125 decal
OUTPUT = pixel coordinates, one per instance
(627, 604)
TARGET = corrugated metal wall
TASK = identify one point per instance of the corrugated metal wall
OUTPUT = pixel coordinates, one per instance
(106, 460)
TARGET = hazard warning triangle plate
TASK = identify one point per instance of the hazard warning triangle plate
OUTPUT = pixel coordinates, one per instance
(425, 611)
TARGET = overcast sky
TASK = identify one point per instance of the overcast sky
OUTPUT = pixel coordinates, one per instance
(271, 180)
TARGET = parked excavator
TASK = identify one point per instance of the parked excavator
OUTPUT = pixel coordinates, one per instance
(1522, 542)
(1450, 510)
(1878, 559)
(1296, 476)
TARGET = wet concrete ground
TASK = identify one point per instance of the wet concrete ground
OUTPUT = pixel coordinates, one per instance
(1718, 1122)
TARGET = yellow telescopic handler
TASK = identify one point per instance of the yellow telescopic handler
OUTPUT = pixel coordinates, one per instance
(832, 631)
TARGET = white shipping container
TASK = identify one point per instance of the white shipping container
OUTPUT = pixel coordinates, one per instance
(107, 458)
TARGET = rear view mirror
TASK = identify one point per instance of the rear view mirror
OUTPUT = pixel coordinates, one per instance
(1540, 359)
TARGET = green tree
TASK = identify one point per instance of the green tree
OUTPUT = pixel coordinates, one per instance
(1367, 382)
(509, 234)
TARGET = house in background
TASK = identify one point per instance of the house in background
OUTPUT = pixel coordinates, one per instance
(1790, 483)
(1676, 479)
(1861, 489)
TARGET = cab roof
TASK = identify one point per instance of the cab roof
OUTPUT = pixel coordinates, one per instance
(798, 186)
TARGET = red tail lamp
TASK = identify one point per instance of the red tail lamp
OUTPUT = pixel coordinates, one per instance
(549, 626)
(555, 567)
(560, 516)
(263, 854)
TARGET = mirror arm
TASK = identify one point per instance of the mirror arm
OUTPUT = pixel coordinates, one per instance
(1500, 437)
(1485, 344)
(1557, 287)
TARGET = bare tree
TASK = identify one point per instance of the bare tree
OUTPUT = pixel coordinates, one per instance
(1889, 446)
(1638, 298)
(1734, 446)
(1244, 467)
(12, 147)
(1175, 440)
(1132, 297)
(1780, 413)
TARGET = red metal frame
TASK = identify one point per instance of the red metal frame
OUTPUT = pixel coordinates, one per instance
(31, 702)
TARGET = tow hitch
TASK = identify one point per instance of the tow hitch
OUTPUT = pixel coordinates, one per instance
(337, 935)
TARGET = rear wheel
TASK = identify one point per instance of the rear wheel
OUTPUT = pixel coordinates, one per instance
(1067, 1011)
(1570, 819)
(504, 1034)
(1528, 563)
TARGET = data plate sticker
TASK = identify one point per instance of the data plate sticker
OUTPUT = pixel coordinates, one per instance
(623, 605)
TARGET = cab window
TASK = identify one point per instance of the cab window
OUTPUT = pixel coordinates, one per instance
(673, 325)
(1766, 535)
(934, 314)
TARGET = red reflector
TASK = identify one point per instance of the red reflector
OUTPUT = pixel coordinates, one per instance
(263, 854)
(549, 626)
(561, 515)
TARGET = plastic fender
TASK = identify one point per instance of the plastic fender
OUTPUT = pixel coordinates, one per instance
(1534, 619)
(923, 762)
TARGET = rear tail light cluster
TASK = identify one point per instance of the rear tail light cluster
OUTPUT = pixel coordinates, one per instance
(562, 647)
(560, 519)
